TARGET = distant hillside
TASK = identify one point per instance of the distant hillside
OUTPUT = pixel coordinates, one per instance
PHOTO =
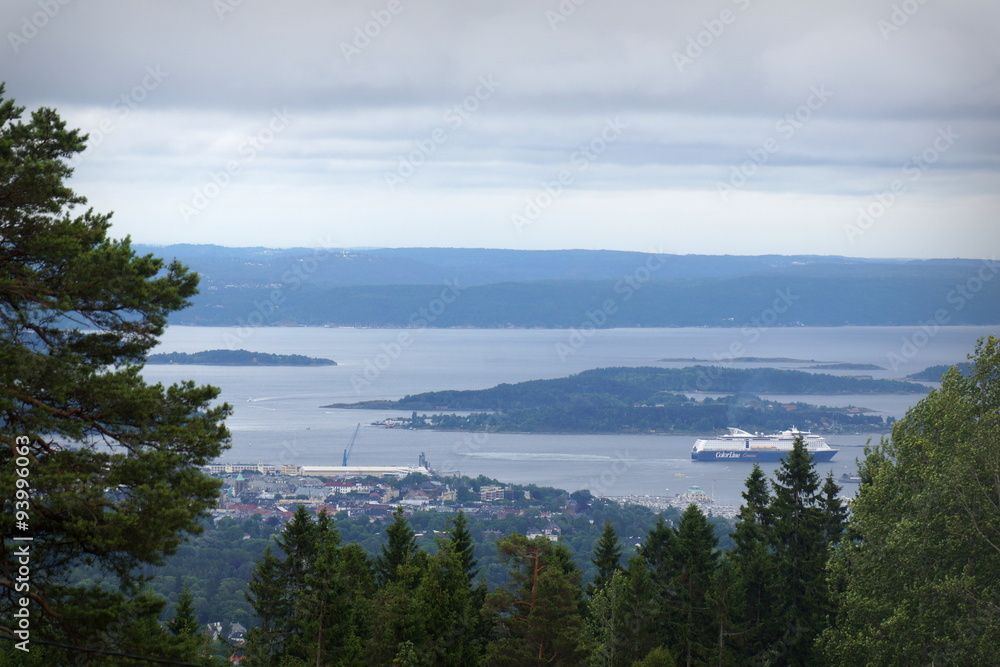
(453, 287)
(644, 399)
(236, 358)
(627, 386)
(934, 373)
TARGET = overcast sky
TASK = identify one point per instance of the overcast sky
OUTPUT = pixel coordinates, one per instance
(861, 127)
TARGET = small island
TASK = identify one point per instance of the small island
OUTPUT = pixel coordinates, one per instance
(744, 360)
(648, 400)
(839, 366)
(236, 358)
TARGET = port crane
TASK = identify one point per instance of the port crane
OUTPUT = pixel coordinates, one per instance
(350, 446)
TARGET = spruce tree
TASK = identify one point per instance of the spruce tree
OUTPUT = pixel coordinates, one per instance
(184, 623)
(463, 545)
(607, 558)
(115, 479)
(800, 555)
(397, 551)
(185, 627)
(302, 602)
(657, 552)
(620, 620)
(834, 511)
(695, 560)
(753, 563)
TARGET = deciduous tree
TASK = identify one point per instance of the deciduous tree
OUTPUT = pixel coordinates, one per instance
(915, 580)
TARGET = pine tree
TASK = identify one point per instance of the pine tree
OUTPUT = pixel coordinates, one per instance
(607, 558)
(538, 618)
(115, 462)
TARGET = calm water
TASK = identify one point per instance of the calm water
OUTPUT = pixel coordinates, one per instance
(278, 418)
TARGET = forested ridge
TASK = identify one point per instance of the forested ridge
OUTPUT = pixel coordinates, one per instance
(403, 287)
(644, 385)
(648, 399)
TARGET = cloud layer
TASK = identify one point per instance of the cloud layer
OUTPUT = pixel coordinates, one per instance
(746, 126)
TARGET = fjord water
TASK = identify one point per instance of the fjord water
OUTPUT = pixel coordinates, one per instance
(278, 419)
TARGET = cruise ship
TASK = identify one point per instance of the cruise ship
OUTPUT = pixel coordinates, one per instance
(738, 445)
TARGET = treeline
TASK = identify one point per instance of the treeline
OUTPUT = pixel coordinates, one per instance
(643, 385)
(237, 358)
(677, 599)
(216, 565)
(934, 373)
(683, 416)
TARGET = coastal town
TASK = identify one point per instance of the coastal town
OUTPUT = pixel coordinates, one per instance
(272, 491)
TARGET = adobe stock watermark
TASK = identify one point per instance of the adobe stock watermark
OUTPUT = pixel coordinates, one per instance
(957, 298)
(564, 10)
(899, 17)
(705, 39)
(203, 195)
(786, 127)
(22, 554)
(122, 107)
(579, 161)
(752, 331)
(602, 485)
(291, 279)
(33, 24)
(420, 319)
(365, 34)
(626, 287)
(454, 117)
(913, 169)
(470, 443)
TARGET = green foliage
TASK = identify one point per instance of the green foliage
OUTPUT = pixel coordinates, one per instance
(621, 617)
(307, 612)
(915, 580)
(695, 560)
(799, 542)
(463, 545)
(607, 558)
(397, 551)
(114, 462)
(537, 619)
(237, 358)
(611, 400)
